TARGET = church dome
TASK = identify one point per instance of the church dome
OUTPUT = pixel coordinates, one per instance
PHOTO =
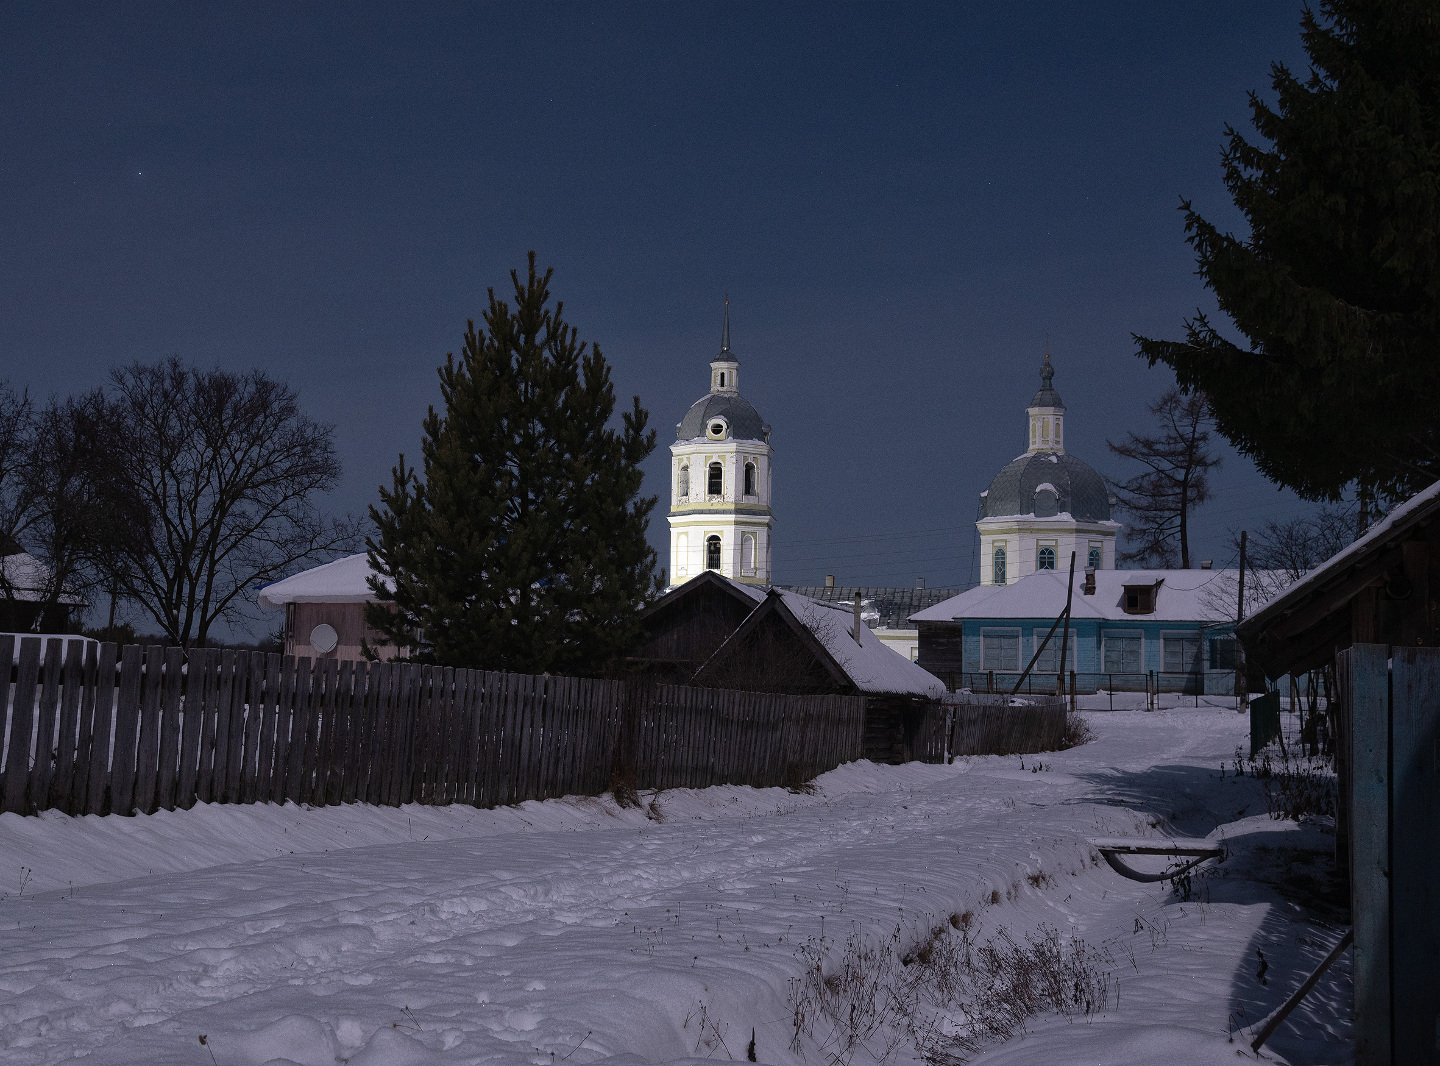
(743, 422)
(1045, 484)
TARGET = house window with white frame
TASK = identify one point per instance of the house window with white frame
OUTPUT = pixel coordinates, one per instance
(1049, 659)
(1000, 650)
(1122, 652)
(1180, 653)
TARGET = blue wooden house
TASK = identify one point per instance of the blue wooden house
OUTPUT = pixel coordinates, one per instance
(1129, 630)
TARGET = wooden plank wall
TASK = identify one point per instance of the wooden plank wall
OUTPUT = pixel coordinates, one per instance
(983, 725)
(99, 729)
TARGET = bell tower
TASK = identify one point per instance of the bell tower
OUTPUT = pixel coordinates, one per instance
(720, 517)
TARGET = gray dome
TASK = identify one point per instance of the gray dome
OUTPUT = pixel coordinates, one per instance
(1047, 396)
(745, 422)
(1019, 489)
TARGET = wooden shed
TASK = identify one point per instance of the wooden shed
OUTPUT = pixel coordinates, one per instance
(1370, 613)
(1382, 589)
(685, 626)
(728, 635)
(325, 611)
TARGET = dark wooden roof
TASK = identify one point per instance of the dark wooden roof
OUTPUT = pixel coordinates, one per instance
(895, 606)
(1378, 590)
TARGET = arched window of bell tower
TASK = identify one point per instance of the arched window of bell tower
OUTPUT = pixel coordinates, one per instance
(712, 553)
(716, 486)
(683, 485)
(749, 479)
(997, 571)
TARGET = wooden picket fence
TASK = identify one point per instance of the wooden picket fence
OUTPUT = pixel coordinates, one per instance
(984, 724)
(109, 729)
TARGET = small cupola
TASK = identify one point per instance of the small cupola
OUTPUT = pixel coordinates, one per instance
(725, 368)
(1046, 414)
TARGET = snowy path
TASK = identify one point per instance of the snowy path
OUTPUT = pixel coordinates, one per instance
(574, 931)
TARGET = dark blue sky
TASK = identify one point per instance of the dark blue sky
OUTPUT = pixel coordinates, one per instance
(902, 201)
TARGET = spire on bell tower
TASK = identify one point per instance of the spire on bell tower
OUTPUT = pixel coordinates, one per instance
(725, 368)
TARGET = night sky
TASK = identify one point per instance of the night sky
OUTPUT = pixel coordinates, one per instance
(903, 202)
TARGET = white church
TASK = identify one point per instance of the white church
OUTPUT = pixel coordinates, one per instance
(720, 516)
(1045, 503)
(1039, 508)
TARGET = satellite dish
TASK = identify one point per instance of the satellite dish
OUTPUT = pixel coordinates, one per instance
(323, 638)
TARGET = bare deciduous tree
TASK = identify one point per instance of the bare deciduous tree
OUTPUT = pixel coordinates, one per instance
(60, 501)
(1176, 480)
(226, 468)
(1296, 547)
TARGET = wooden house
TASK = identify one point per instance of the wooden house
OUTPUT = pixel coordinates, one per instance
(325, 611)
(719, 633)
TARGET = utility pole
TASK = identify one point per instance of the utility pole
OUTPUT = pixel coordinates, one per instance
(1065, 635)
(1240, 617)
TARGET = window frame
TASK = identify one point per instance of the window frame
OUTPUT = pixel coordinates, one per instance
(1106, 635)
(748, 543)
(719, 544)
(999, 563)
(1040, 550)
(714, 473)
(752, 478)
(1168, 637)
(1001, 632)
(1037, 636)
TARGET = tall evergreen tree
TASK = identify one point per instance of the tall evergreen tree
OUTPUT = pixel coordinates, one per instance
(523, 546)
(1337, 288)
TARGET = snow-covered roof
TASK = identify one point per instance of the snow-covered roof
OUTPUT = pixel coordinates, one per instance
(45, 639)
(27, 578)
(1184, 596)
(871, 664)
(342, 581)
(1406, 514)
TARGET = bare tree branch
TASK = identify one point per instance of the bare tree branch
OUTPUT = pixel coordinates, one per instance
(1176, 480)
(226, 467)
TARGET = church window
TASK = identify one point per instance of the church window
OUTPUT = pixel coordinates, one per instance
(684, 487)
(747, 553)
(1045, 428)
(998, 565)
(749, 479)
(1095, 559)
(712, 553)
(717, 480)
(1046, 559)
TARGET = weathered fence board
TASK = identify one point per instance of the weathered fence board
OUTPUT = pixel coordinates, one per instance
(103, 729)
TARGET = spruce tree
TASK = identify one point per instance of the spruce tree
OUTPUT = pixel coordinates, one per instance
(523, 545)
(1337, 288)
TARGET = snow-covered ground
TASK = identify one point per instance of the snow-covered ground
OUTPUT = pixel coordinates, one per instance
(575, 931)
